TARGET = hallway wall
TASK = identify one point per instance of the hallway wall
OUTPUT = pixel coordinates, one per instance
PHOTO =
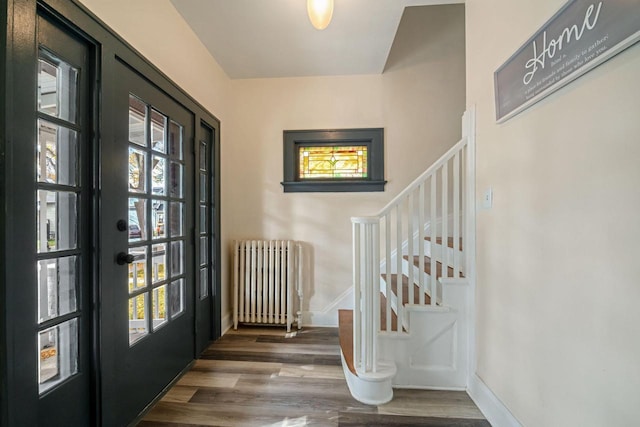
(418, 100)
(557, 283)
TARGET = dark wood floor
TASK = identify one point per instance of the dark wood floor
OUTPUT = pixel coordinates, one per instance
(262, 377)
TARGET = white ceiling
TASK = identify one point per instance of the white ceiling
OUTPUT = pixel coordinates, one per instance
(274, 38)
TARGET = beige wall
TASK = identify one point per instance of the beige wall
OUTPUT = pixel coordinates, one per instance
(558, 283)
(419, 100)
(253, 196)
(158, 32)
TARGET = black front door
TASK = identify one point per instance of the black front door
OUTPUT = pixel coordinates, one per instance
(63, 234)
(147, 247)
(48, 257)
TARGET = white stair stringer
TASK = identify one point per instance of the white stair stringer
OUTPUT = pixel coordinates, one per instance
(371, 388)
(434, 352)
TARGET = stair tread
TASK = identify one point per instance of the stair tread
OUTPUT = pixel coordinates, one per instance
(449, 241)
(383, 315)
(405, 290)
(345, 334)
(427, 266)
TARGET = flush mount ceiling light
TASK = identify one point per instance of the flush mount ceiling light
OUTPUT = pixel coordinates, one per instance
(320, 13)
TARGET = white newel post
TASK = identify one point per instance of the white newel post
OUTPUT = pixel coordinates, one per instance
(366, 281)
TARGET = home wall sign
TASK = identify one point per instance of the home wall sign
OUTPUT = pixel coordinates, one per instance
(580, 36)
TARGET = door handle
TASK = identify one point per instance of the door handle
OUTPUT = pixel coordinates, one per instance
(124, 258)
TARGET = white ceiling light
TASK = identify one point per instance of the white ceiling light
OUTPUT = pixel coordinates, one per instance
(320, 12)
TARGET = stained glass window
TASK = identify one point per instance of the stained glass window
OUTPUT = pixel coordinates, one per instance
(332, 162)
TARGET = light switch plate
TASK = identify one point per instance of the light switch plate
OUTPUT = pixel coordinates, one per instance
(487, 198)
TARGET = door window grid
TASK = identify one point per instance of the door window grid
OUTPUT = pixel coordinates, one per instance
(205, 240)
(156, 219)
(58, 219)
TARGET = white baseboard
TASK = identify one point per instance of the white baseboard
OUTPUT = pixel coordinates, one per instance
(317, 318)
(329, 315)
(326, 317)
(493, 409)
(226, 323)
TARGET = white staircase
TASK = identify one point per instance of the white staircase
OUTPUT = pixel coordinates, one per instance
(413, 283)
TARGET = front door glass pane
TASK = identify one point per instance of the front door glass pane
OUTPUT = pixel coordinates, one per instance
(137, 318)
(159, 306)
(158, 216)
(159, 265)
(177, 298)
(57, 354)
(156, 210)
(138, 268)
(177, 258)
(57, 89)
(175, 140)
(137, 219)
(158, 126)
(137, 121)
(177, 221)
(175, 177)
(158, 175)
(204, 282)
(137, 171)
(57, 159)
(57, 287)
(56, 219)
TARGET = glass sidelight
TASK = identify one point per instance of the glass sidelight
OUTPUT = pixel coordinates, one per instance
(204, 228)
(58, 218)
(155, 220)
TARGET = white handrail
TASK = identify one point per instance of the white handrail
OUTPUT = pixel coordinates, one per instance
(416, 182)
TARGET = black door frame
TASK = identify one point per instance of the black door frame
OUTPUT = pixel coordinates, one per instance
(18, 51)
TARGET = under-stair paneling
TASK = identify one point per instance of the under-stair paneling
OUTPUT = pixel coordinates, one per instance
(433, 354)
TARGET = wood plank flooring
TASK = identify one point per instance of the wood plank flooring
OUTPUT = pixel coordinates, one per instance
(264, 377)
